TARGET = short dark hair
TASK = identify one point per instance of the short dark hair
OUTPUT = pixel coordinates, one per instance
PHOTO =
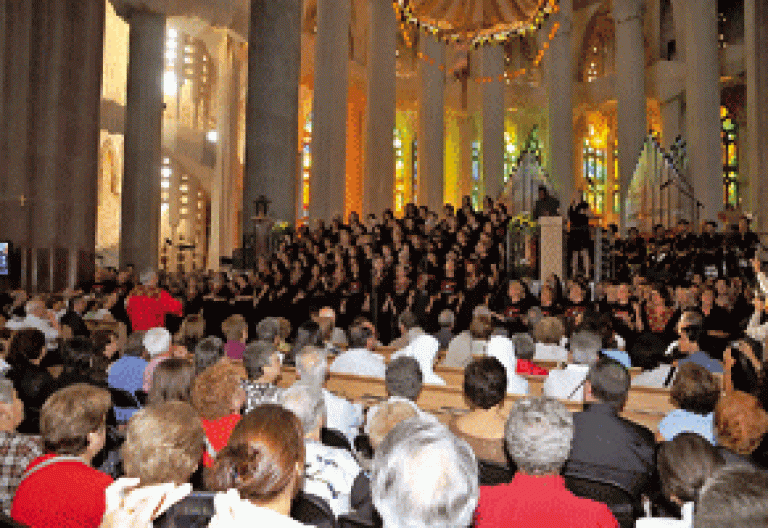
(26, 346)
(647, 351)
(359, 336)
(525, 348)
(256, 356)
(70, 414)
(610, 382)
(403, 378)
(736, 497)
(695, 389)
(407, 320)
(684, 463)
(485, 382)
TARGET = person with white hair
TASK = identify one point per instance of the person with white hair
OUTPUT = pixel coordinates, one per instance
(503, 349)
(538, 436)
(424, 477)
(568, 383)
(147, 305)
(329, 472)
(157, 343)
(341, 415)
(424, 350)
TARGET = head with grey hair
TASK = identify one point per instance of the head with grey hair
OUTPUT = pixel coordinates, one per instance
(268, 329)
(403, 378)
(735, 497)
(207, 352)
(312, 365)
(307, 403)
(424, 477)
(11, 407)
(257, 356)
(525, 347)
(148, 277)
(538, 435)
(585, 347)
(446, 318)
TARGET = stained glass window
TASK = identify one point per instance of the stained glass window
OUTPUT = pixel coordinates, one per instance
(730, 139)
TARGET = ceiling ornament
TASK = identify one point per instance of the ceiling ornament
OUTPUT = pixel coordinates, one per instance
(475, 22)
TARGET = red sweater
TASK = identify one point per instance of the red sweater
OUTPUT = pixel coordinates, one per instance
(538, 502)
(65, 494)
(147, 311)
(217, 432)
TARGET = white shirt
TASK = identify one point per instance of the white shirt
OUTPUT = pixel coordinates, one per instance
(329, 474)
(361, 362)
(561, 383)
(33, 321)
(342, 415)
(665, 522)
(230, 511)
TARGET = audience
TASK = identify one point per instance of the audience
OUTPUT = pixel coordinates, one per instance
(423, 348)
(741, 425)
(694, 392)
(568, 383)
(538, 436)
(172, 381)
(358, 358)
(503, 350)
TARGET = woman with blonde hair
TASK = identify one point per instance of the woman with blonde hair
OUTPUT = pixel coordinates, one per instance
(741, 425)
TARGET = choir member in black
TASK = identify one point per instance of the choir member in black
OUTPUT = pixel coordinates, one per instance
(377, 302)
(474, 292)
(578, 303)
(512, 305)
(216, 306)
(635, 252)
(579, 240)
(658, 315)
(718, 324)
(626, 314)
(710, 253)
(684, 249)
(743, 245)
(548, 302)
(426, 303)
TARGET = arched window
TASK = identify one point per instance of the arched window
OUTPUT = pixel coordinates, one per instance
(730, 142)
(599, 45)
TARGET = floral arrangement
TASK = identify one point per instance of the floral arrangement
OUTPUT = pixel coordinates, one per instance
(523, 222)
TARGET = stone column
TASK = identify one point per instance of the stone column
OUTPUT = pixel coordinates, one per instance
(493, 120)
(630, 90)
(140, 221)
(431, 123)
(271, 132)
(329, 110)
(702, 85)
(223, 187)
(671, 117)
(756, 53)
(50, 102)
(559, 70)
(378, 179)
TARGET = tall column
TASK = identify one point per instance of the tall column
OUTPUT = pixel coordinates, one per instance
(431, 123)
(329, 110)
(140, 221)
(223, 186)
(378, 179)
(493, 120)
(49, 142)
(271, 132)
(560, 95)
(756, 53)
(630, 90)
(702, 85)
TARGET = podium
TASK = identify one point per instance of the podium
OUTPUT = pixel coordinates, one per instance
(551, 247)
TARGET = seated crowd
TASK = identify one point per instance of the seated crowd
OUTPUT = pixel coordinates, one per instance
(159, 400)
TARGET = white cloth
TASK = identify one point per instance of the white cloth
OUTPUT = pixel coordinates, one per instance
(652, 378)
(230, 511)
(361, 362)
(755, 330)
(665, 522)
(424, 350)
(561, 383)
(329, 474)
(503, 349)
(342, 415)
(546, 352)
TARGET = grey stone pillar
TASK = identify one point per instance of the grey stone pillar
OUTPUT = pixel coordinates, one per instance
(140, 219)
(493, 120)
(671, 117)
(272, 114)
(630, 90)
(378, 179)
(431, 129)
(49, 105)
(329, 110)
(756, 53)
(559, 70)
(702, 85)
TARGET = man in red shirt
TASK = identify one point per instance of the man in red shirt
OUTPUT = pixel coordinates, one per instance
(148, 304)
(538, 436)
(60, 489)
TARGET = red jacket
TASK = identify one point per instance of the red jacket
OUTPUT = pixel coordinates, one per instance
(147, 309)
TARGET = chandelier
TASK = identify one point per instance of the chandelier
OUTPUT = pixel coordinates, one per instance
(475, 22)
